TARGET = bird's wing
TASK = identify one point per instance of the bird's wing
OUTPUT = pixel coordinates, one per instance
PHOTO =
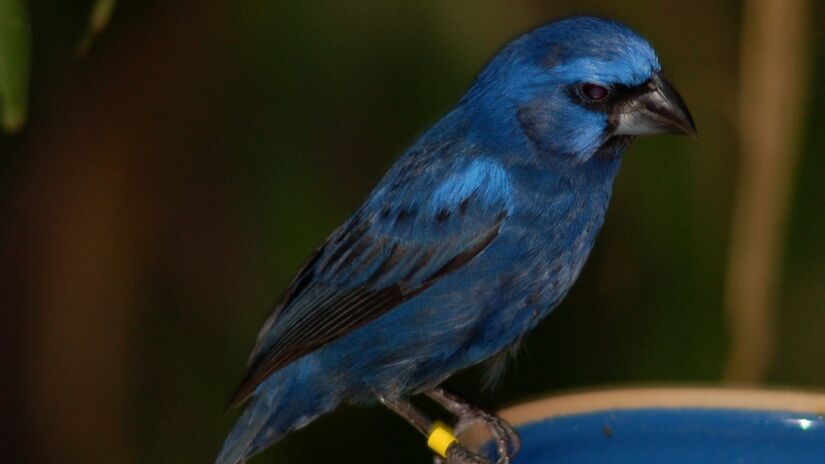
(413, 230)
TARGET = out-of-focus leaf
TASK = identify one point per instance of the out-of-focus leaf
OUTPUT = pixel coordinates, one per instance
(15, 55)
(98, 20)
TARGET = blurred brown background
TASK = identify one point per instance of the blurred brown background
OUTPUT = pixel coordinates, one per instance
(167, 186)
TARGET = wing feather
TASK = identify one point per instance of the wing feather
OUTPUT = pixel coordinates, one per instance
(376, 261)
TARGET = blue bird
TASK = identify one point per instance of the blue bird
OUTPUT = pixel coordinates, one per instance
(473, 236)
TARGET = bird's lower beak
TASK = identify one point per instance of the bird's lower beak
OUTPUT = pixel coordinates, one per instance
(658, 109)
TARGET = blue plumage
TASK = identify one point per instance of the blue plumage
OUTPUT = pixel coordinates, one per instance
(470, 239)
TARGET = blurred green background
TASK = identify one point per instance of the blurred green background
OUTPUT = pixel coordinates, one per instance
(167, 186)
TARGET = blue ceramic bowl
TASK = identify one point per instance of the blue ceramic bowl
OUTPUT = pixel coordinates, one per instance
(671, 426)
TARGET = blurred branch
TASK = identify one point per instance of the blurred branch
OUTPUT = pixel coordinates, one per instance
(98, 20)
(774, 64)
(15, 55)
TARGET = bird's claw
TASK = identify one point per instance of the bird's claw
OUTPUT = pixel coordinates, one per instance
(506, 438)
(457, 454)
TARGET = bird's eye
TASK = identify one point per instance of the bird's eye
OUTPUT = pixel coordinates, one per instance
(594, 92)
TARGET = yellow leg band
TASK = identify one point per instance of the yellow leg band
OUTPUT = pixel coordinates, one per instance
(441, 437)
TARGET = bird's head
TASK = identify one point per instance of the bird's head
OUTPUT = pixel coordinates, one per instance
(576, 86)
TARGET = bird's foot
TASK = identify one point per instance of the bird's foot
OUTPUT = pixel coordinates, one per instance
(506, 438)
(444, 441)
(457, 454)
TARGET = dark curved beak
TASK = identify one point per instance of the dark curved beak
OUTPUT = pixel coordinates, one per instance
(656, 109)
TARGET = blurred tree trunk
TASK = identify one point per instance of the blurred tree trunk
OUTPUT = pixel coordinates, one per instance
(774, 67)
(80, 341)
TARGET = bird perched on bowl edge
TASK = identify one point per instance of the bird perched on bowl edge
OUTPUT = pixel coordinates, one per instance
(471, 238)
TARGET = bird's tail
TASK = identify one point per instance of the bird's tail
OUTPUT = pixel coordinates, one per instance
(288, 400)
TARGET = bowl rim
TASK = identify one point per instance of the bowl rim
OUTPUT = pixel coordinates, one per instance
(583, 402)
(650, 397)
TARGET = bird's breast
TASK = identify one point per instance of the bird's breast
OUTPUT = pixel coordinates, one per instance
(552, 230)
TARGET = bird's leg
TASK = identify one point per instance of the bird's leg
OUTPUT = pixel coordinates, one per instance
(410, 413)
(507, 440)
(454, 454)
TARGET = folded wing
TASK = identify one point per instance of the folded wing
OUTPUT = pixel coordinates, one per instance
(410, 233)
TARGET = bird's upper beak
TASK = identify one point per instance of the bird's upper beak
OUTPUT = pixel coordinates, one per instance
(658, 109)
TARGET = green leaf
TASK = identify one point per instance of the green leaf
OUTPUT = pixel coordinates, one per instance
(15, 61)
(98, 20)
